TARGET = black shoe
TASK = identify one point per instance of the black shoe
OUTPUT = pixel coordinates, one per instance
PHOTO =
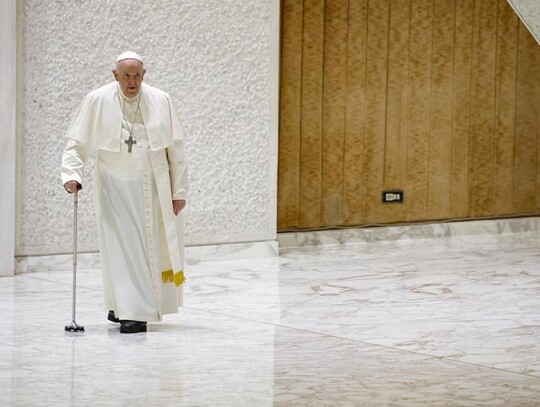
(111, 317)
(132, 327)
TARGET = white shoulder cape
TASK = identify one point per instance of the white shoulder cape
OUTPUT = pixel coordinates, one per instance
(98, 120)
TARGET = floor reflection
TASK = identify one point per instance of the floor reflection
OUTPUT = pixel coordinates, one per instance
(441, 322)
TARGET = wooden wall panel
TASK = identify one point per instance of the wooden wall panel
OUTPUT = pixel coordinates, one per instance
(440, 98)
(538, 165)
(290, 102)
(505, 110)
(461, 103)
(375, 120)
(526, 159)
(353, 191)
(440, 141)
(312, 105)
(335, 85)
(419, 114)
(483, 109)
(538, 168)
(395, 157)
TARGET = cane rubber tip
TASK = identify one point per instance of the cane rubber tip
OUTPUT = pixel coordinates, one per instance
(73, 327)
(78, 329)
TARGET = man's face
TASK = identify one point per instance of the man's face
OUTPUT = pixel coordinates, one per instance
(129, 73)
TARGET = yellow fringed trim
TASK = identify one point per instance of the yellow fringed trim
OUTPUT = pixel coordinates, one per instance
(177, 278)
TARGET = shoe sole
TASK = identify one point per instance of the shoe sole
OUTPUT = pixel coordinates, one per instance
(128, 331)
(115, 320)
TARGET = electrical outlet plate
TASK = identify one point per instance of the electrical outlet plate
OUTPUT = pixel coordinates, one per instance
(393, 196)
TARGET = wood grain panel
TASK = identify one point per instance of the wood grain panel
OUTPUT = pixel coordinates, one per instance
(312, 96)
(335, 84)
(354, 126)
(440, 152)
(461, 106)
(483, 109)
(419, 85)
(395, 160)
(376, 86)
(290, 108)
(538, 161)
(538, 164)
(438, 97)
(538, 158)
(526, 159)
(505, 108)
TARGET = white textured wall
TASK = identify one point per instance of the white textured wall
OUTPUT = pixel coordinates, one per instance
(8, 41)
(529, 12)
(218, 61)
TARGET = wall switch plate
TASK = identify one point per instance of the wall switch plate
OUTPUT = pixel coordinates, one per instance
(393, 196)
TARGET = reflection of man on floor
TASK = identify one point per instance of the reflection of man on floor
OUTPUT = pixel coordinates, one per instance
(141, 183)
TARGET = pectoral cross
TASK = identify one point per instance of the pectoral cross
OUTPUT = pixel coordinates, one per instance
(130, 143)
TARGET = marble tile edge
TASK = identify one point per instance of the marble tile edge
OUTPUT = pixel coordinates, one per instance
(232, 251)
(370, 234)
(193, 254)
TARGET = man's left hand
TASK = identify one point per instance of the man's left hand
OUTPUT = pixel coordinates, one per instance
(178, 205)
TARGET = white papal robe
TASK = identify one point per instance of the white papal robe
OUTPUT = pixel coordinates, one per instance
(140, 239)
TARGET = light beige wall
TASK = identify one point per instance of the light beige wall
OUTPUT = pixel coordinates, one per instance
(8, 43)
(216, 58)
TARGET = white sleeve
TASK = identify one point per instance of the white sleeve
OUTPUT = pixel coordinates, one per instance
(73, 159)
(178, 170)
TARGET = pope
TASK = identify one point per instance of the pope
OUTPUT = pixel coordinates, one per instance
(140, 192)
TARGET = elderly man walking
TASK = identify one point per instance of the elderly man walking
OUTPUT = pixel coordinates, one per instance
(140, 191)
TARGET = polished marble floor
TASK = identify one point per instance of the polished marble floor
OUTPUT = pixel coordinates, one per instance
(452, 321)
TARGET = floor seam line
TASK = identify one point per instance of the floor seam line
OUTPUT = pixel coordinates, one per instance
(366, 343)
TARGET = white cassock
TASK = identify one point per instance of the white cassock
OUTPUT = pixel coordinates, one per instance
(141, 241)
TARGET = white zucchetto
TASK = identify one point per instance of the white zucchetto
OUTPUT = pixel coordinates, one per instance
(129, 55)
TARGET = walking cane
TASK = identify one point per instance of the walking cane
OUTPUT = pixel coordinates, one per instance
(73, 326)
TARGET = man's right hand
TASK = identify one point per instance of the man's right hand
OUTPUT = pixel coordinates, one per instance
(72, 186)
